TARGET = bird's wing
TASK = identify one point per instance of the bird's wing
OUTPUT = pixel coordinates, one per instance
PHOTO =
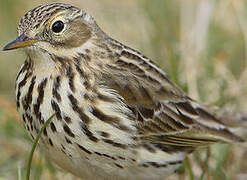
(164, 113)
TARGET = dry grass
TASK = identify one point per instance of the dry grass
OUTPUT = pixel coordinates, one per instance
(201, 44)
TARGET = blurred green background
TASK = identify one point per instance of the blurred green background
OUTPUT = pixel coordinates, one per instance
(201, 44)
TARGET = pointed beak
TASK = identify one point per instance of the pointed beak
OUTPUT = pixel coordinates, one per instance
(20, 42)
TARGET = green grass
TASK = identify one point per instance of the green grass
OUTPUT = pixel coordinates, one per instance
(35, 143)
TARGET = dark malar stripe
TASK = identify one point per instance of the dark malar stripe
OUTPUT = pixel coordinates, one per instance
(71, 76)
(56, 86)
(77, 109)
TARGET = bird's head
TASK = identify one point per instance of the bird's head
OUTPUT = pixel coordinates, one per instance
(54, 28)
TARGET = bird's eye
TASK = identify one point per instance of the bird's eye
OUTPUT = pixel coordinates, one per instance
(57, 26)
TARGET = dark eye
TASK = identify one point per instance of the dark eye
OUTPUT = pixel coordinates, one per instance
(57, 26)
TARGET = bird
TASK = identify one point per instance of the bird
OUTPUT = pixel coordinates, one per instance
(117, 115)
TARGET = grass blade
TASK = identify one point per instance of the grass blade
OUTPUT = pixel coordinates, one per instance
(35, 143)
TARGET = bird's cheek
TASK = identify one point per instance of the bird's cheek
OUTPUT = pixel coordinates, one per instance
(77, 35)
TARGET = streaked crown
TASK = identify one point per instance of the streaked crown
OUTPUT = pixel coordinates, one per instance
(38, 16)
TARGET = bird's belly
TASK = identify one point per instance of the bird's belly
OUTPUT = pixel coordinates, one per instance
(79, 141)
(94, 168)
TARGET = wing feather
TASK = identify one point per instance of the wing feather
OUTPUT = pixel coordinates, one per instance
(164, 113)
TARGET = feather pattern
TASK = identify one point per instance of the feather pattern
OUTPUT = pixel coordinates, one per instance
(164, 113)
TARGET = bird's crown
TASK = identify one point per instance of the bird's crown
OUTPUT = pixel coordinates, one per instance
(38, 16)
(53, 26)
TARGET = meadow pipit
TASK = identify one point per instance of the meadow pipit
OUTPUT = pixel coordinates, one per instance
(118, 115)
